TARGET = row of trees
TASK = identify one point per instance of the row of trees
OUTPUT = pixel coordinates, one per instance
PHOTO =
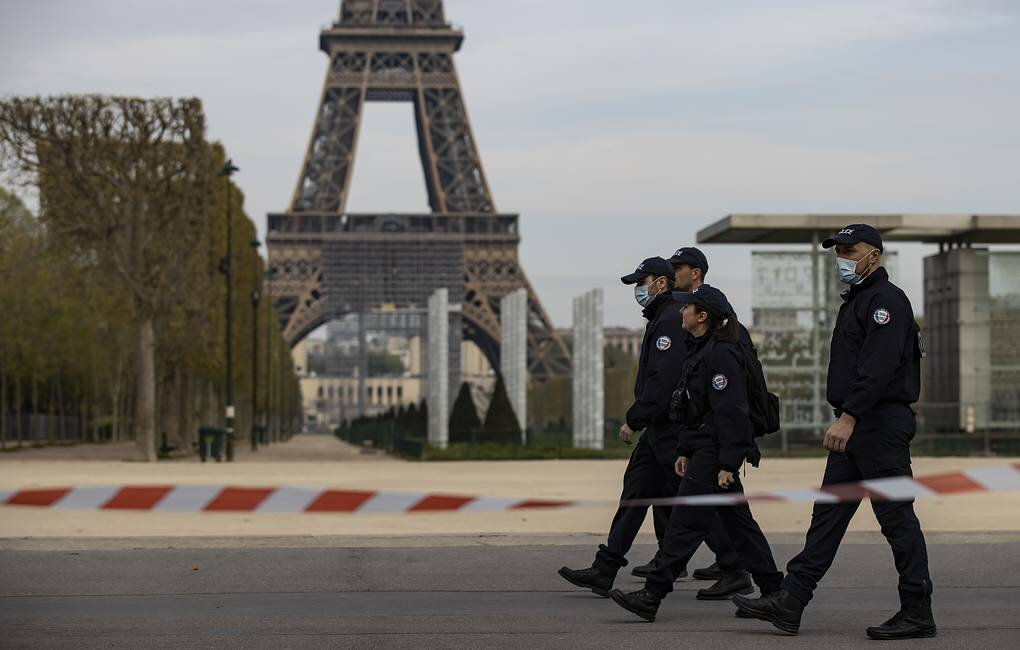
(112, 300)
(387, 429)
(499, 426)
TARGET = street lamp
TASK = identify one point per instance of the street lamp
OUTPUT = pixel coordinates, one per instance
(226, 172)
(256, 293)
(270, 272)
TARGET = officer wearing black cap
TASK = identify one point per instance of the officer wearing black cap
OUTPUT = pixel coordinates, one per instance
(874, 377)
(649, 473)
(690, 266)
(715, 437)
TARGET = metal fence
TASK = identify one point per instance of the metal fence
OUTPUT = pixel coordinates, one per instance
(41, 428)
(991, 428)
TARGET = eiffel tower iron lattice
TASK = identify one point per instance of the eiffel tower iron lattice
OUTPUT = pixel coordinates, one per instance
(326, 263)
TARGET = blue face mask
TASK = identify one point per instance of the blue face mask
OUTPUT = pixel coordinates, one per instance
(642, 296)
(846, 270)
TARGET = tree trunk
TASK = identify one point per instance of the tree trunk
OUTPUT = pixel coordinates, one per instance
(116, 396)
(3, 408)
(145, 386)
(35, 407)
(58, 409)
(18, 422)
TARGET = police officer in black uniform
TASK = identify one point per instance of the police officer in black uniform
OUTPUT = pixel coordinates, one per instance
(874, 377)
(650, 472)
(715, 437)
(690, 266)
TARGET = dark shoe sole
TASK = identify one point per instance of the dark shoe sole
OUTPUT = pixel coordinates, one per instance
(923, 633)
(637, 573)
(618, 598)
(701, 574)
(749, 612)
(726, 596)
(595, 590)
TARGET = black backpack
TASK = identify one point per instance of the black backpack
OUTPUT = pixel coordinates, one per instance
(763, 406)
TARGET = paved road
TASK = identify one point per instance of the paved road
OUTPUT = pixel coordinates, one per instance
(451, 592)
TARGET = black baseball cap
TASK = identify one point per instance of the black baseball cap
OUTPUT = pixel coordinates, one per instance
(652, 266)
(713, 300)
(855, 232)
(691, 256)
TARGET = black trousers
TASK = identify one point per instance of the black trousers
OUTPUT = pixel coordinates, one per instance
(690, 525)
(649, 476)
(878, 448)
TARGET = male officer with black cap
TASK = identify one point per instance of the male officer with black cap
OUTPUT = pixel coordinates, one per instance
(650, 470)
(690, 266)
(874, 377)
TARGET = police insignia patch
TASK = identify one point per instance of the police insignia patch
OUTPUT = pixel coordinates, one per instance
(881, 316)
(663, 343)
(719, 382)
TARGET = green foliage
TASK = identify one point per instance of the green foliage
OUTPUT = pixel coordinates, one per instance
(384, 364)
(464, 423)
(501, 425)
(397, 431)
(131, 228)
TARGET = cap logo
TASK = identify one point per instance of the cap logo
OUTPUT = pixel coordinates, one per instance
(663, 343)
(881, 316)
(720, 382)
(846, 231)
(641, 266)
(680, 251)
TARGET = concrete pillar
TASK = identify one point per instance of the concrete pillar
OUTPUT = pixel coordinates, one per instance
(437, 390)
(957, 337)
(513, 353)
(588, 382)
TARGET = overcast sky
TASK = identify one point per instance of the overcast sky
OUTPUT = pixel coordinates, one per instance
(616, 136)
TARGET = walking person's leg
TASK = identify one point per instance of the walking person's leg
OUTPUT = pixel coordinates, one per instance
(642, 479)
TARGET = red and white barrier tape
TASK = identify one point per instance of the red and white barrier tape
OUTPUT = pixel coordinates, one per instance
(900, 488)
(217, 498)
(213, 498)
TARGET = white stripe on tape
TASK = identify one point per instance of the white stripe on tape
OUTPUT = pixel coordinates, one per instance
(711, 499)
(7, 494)
(87, 497)
(390, 502)
(489, 503)
(803, 495)
(187, 498)
(898, 488)
(289, 499)
(1003, 477)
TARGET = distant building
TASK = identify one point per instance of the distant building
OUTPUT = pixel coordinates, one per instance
(624, 339)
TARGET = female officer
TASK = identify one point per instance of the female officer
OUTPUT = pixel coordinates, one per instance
(715, 436)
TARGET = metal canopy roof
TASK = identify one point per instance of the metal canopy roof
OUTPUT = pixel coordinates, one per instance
(800, 228)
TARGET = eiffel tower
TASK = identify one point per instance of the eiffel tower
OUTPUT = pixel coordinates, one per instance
(325, 263)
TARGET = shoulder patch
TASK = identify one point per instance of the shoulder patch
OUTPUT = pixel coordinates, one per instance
(881, 316)
(663, 343)
(720, 382)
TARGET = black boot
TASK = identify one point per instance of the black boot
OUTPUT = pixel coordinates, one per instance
(590, 578)
(738, 582)
(914, 622)
(642, 602)
(645, 569)
(779, 608)
(711, 572)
